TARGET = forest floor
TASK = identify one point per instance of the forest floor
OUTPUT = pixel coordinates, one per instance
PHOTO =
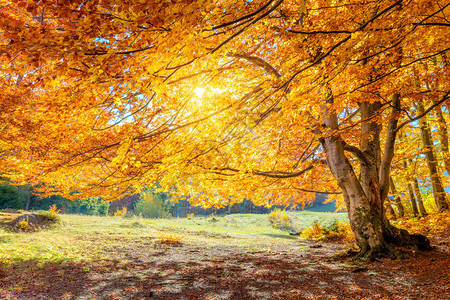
(235, 257)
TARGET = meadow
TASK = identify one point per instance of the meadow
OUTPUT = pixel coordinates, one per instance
(238, 256)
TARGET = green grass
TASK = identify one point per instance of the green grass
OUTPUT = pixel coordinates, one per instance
(84, 239)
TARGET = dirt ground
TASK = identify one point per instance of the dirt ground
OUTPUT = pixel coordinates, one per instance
(304, 270)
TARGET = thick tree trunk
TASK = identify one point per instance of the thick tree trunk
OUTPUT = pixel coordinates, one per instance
(364, 196)
(440, 196)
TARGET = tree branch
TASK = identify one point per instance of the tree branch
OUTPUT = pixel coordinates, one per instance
(248, 25)
(445, 97)
(243, 17)
(257, 61)
(320, 31)
(271, 174)
(318, 192)
(356, 151)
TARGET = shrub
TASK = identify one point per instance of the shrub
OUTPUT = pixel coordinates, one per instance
(49, 217)
(169, 239)
(152, 205)
(121, 213)
(54, 209)
(280, 219)
(337, 231)
(23, 225)
(315, 232)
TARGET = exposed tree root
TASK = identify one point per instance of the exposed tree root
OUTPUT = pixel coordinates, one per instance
(395, 240)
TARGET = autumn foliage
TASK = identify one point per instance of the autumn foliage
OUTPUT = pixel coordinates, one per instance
(220, 100)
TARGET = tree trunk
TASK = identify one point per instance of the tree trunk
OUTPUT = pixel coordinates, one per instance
(364, 197)
(390, 210)
(440, 197)
(443, 137)
(410, 190)
(413, 200)
(398, 202)
(422, 210)
(27, 205)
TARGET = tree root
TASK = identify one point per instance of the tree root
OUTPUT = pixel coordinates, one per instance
(395, 240)
(373, 254)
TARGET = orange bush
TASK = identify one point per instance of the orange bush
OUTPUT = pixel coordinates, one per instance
(54, 209)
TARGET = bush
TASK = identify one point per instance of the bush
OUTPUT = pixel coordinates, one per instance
(49, 217)
(121, 212)
(23, 225)
(54, 209)
(315, 232)
(337, 231)
(93, 206)
(280, 219)
(152, 205)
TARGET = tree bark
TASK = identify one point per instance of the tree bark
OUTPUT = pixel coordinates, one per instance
(390, 210)
(422, 209)
(443, 137)
(364, 197)
(27, 204)
(412, 198)
(398, 202)
(440, 196)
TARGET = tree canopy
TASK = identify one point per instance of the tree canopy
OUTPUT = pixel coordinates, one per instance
(225, 100)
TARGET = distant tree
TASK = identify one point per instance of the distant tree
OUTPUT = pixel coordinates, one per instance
(153, 205)
(10, 197)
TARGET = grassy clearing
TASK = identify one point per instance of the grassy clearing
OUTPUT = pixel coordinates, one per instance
(85, 239)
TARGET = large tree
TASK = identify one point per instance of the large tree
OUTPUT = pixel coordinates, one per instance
(225, 100)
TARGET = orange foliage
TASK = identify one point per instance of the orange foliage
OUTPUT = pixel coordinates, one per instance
(221, 99)
(339, 231)
(436, 223)
(54, 209)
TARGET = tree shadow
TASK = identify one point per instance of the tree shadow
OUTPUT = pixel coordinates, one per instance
(280, 236)
(32, 279)
(224, 275)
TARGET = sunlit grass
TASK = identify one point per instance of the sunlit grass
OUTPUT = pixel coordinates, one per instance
(84, 239)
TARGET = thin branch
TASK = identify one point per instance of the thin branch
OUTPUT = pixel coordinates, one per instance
(317, 192)
(320, 31)
(435, 24)
(244, 28)
(120, 53)
(323, 56)
(270, 174)
(258, 61)
(244, 17)
(444, 98)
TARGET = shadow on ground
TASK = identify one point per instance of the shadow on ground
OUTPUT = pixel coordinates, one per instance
(190, 272)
